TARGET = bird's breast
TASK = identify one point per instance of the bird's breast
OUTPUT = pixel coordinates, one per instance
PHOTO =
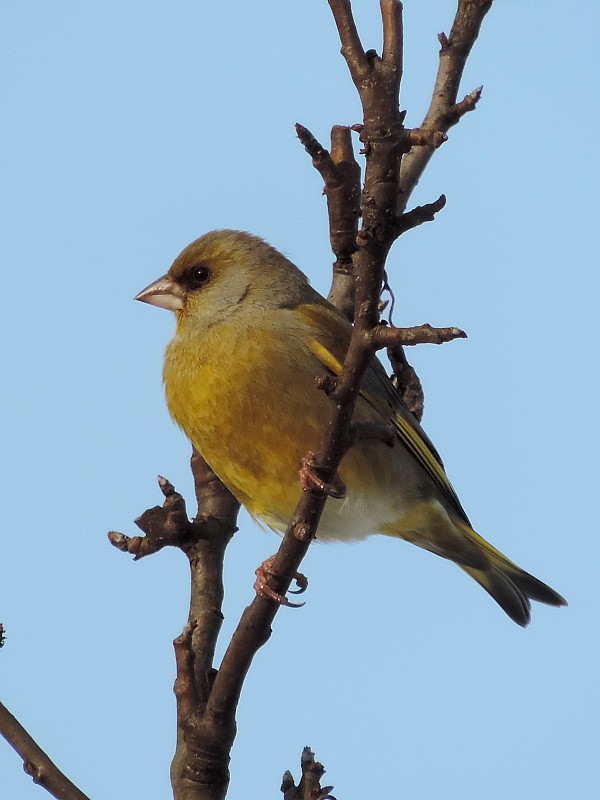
(249, 404)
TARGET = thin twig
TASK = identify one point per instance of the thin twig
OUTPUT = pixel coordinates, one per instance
(322, 160)
(200, 767)
(341, 175)
(406, 380)
(387, 336)
(443, 110)
(35, 761)
(309, 787)
(393, 40)
(352, 48)
(419, 215)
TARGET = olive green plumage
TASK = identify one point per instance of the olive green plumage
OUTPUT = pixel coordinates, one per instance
(240, 376)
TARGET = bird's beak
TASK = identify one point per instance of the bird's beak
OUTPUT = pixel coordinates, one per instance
(163, 293)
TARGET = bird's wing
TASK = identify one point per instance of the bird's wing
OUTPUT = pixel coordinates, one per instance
(329, 340)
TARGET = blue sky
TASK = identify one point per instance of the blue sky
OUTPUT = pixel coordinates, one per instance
(131, 128)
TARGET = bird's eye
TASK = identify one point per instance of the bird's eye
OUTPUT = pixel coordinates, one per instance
(199, 276)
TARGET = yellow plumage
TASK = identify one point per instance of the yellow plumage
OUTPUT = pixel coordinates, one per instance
(240, 377)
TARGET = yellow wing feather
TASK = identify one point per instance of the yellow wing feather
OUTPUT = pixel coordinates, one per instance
(330, 347)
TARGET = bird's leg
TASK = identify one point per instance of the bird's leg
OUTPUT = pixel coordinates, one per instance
(262, 588)
(310, 479)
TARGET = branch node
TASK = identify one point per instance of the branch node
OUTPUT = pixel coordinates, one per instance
(423, 137)
(326, 383)
(364, 235)
(302, 532)
(162, 525)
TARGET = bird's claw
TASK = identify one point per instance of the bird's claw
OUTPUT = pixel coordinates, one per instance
(262, 588)
(310, 480)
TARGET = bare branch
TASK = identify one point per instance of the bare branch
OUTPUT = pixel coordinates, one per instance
(444, 111)
(207, 699)
(166, 525)
(391, 15)
(35, 761)
(419, 215)
(309, 787)
(321, 159)
(458, 110)
(341, 174)
(343, 206)
(186, 692)
(406, 380)
(421, 137)
(200, 764)
(387, 336)
(352, 48)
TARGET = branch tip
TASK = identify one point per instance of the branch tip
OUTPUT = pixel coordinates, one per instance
(418, 215)
(391, 17)
(423, 137)
(166, 486)
(388, 336)
(352, 49)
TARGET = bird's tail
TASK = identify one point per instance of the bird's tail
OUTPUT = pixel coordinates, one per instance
(510, 586)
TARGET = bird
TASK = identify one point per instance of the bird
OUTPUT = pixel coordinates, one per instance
(241, 376)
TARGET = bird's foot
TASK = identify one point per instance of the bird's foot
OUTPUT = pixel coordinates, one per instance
(262, 588)
(310, 479)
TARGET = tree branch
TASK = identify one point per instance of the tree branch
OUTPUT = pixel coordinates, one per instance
(200, 767)
(387, 336)
(35, 761)
(309, 787)
(352, 49)
(419, 215)
(406, 380)
(341, 174)
(382, 133)
(444, 111)
(207, 698)
(393, 44)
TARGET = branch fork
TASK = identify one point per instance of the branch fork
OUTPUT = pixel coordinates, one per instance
(162, 525)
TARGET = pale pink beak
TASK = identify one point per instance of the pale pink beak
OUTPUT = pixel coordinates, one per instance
(163, 293)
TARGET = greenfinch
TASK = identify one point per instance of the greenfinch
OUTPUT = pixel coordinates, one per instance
(252, 338)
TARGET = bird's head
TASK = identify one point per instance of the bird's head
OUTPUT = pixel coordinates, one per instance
(223, 272)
